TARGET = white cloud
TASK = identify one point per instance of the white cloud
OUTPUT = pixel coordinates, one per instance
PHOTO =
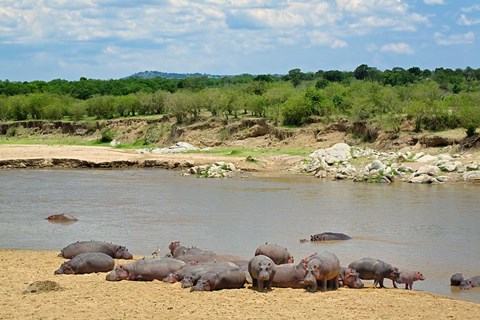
(318, 38)
(471, 8)
(431, 2)
(453, 39)
(370, 6)
(399, 48)
(465, 21)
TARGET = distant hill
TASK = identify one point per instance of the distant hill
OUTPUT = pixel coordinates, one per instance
(170, 75)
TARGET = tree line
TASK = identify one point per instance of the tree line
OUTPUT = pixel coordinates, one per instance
(433, 100)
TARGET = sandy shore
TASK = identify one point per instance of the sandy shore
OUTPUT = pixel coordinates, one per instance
(92, 297)
(46, 156)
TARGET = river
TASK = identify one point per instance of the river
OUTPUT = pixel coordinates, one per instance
(431, 228)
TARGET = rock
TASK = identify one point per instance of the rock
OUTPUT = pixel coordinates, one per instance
(176, 148)
(423, 179)
(114, 143)
(427, 158)
(472, 176)
(42, 286)
(427, 170)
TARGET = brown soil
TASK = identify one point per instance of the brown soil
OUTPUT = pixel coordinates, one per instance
(92, 297)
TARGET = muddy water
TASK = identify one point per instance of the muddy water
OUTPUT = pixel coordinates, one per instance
(434, 229)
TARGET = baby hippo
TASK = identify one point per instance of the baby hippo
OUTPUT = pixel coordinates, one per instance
(262, 270)
(408, 277)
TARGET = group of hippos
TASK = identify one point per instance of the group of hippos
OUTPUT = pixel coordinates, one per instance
(271, 266)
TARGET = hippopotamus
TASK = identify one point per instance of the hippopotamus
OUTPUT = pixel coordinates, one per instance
(232, 278)
(327, 236)
(408, 277)
(289, 275)
(349, 277)
(146, 269)
(262, 269)
(277, 253)
(321, 268)
(177, 250)
(88, 262)
(63, 217)
(113, 250)
(470, 283)
(191, 272)
(456, 279)
(374, 269)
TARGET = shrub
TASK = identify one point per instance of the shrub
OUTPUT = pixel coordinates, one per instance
(107, 135)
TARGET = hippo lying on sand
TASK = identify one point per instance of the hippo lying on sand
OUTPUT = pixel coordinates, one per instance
(146, 269)
(89, 262)
(349, 277)
(327, 236)
(113, 250)
(232, 278)
(290, 275)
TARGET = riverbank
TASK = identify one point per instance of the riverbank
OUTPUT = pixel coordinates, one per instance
(92, 297)
(337, 162)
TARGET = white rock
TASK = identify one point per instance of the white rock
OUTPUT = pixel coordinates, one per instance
(427, 159)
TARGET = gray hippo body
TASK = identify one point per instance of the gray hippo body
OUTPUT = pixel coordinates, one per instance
(374, 269)
(232, 278)
(349, 277)
(470, 283)
(327, 236)
(290, 275)
(456, 279)
(262, 269)
(407, 277)
(191, 272)
(89, 262)
(113, 250)
(177, 250)
(146, 269)
(322, 268)
(63, 217)
(278, 254)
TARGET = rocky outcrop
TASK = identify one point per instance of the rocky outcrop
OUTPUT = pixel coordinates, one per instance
(216, 170)
(342, 162)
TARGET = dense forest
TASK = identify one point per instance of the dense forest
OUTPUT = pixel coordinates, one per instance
(433, 100)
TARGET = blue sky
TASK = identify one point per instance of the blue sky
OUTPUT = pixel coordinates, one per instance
(108, 39)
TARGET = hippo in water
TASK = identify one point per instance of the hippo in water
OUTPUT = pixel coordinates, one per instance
(146, 269)
(63, 217)
(327, 236)
(262, 269)
(278, 254)
(470, 283)
(88, 262)
(374, 269)
(408, 277)
(456, 279)
(322, 268)
(113, 250)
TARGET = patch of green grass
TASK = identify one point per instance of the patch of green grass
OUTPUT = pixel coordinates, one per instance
(253, 152)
